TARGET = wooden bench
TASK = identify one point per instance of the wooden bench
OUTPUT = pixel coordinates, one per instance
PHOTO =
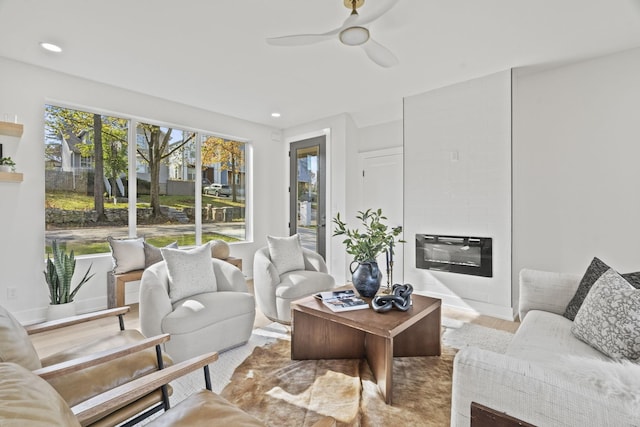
(116, 282)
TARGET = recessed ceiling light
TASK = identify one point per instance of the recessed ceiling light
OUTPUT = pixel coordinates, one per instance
(275, 114)
(51, 47)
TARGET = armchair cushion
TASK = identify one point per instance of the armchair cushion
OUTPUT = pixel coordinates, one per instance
(153, 255)
(190, 271)
(286, 253)
(15, 345)
(593, 273)
(26, 399)
(128, 254)
(203, 310)
(609, 317)
(299, 284)
(83, 384)
(206, 409)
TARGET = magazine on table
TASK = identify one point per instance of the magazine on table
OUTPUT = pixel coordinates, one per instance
(343, 300)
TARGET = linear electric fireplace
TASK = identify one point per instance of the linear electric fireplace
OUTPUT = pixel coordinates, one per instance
(455, 254)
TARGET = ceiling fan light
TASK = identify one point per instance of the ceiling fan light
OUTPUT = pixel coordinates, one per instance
(354, 36)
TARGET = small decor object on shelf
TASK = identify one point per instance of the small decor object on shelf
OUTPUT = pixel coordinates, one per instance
(58, 276)
(7, 164)
(345, 300)
(365, 247)
(399, 299)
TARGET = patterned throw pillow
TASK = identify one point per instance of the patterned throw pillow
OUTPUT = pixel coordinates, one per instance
(286, 253)
(190, 271)
(609, 318)
(593, 273)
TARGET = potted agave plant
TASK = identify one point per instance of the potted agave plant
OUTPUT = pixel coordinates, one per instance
(365, 246)
(58, 275)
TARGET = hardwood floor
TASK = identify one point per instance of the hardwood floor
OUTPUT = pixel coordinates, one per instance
(480, 319)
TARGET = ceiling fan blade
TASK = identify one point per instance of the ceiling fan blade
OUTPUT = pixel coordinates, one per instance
(304, 39)
(379, 54)
(301, 39)
(367, 19)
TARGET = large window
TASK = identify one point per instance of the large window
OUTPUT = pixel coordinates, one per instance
(184, 186)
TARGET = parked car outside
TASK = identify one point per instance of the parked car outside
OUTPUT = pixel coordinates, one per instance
(216, 189)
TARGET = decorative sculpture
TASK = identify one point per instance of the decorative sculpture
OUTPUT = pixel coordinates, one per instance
(399, 299)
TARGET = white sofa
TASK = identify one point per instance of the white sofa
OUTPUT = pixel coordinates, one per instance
(547, 377)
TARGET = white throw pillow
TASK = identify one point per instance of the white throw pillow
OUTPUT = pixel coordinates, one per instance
(190, 271)
(286, 253)
(128, 254)
(609, 318)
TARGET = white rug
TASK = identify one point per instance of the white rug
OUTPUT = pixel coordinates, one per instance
(458, 334)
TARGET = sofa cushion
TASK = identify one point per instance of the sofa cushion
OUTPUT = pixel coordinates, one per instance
(202, 310)
(128, 254)
(544, 338)
(593, 273)
(286, 253)
(153, 255)
(609, 319)
(190, 271)
(15, 344)
(28, 400)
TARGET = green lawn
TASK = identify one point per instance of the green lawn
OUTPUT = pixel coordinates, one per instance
(74, 201)
(79, 202)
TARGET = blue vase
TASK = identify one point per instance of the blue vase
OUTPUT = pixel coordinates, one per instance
(366, 277)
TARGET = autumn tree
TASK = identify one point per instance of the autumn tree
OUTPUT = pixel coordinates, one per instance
(229, 154)
(158, 147)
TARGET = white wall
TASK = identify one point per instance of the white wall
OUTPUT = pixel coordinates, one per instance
(24, 90)
(576, 151)
(470, 196)
(380, 137)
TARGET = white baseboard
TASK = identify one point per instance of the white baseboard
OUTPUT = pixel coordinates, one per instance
(448, 300)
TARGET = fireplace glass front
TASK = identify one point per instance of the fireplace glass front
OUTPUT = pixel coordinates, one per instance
(455, 254)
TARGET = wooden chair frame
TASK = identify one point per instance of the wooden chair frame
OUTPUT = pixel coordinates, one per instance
(74, 365)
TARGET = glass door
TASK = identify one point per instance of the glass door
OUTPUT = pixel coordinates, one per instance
(307, 198)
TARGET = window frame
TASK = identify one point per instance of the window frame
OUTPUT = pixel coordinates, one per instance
(133, 122)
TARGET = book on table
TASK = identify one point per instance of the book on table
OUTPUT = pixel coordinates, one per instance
(343, 300)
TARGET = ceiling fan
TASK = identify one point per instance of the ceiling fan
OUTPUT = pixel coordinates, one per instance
(352, 33)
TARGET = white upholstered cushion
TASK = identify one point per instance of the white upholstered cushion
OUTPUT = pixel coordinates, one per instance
(190, 271)
(128, 254)
(286, 253)
(545, 338)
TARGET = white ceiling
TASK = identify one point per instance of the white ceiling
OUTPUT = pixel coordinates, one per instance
(212, 53)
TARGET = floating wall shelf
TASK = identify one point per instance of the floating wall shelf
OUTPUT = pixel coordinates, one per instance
(10, 177)
(11, 129)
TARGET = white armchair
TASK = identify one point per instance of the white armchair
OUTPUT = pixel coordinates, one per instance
(202, 323)
(275, 292)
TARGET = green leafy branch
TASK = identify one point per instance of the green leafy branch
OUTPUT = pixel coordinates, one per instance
(376, 238)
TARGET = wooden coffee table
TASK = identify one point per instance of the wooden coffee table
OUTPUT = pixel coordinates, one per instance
(319, 333)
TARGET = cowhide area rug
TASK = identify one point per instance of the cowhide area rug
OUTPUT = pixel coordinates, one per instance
(285, 392)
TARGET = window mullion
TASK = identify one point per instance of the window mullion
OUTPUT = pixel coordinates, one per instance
(133, 178)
